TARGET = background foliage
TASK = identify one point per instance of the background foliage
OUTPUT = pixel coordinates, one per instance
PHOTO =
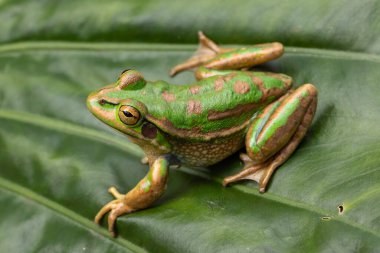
(57, 160)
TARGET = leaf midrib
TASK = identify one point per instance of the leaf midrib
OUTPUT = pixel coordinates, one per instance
(114, 46)
(83, 132)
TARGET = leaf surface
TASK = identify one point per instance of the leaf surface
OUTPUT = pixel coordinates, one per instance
(57, 160)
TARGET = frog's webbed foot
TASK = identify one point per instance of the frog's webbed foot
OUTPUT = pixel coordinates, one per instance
(260, 173)
(115, 208)
(207, 49)
(148, 190)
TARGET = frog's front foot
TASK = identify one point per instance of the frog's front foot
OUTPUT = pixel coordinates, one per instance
(115, 208)
(148, 190)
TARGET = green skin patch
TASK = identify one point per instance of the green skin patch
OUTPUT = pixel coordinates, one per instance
(145, 185)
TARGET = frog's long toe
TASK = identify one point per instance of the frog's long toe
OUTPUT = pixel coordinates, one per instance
(260, 173)
(253, 173)
(250, 171)
(115, 208)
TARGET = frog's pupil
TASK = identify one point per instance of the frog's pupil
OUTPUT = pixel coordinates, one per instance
(127, 114)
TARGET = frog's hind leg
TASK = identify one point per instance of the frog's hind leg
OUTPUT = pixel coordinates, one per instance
(274, 135)
(211, 56)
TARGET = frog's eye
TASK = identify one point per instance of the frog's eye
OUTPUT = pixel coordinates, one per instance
(129, 115)
(131, 80)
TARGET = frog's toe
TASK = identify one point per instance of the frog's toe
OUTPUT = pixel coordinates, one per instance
(253, 172)
(259, 172)
(118, 209)
(115, 208)
(115, 193)
(105, 209)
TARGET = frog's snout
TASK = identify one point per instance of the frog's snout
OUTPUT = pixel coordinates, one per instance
(100, 99)
(92, 100)
(101, 107)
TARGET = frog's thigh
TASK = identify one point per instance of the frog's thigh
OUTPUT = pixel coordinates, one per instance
(275, 134)
(271, 130)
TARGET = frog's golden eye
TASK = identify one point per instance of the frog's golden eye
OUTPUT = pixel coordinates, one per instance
(129, 115)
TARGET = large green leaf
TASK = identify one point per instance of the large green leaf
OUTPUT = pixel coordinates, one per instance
(334, 24)
(57, 160)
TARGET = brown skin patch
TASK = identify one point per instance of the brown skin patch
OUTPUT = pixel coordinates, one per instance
(241, 87)
(169, 97)
(256, 80)
(194, 107)
(218, 84)
(126, 80)
(195, 89)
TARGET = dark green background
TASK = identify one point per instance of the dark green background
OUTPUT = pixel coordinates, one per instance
(57, 160)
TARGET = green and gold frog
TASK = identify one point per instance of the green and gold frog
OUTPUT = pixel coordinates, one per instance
(202, 123)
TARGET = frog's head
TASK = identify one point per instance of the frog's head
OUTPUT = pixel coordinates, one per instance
(115, 106)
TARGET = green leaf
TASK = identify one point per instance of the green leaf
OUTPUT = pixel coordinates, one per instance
(337, 24)
(57, 160)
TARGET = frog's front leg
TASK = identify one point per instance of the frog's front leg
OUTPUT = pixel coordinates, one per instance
(148, 190)
(275, 133)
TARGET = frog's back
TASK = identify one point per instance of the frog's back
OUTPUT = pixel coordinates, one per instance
(214, 107)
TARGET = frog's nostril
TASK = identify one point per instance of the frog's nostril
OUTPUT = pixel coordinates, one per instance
(104, 102)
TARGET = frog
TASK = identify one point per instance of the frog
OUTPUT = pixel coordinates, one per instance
(227, 108)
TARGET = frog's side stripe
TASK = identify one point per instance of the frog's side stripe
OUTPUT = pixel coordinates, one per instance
(259, 122)
(276, 125)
